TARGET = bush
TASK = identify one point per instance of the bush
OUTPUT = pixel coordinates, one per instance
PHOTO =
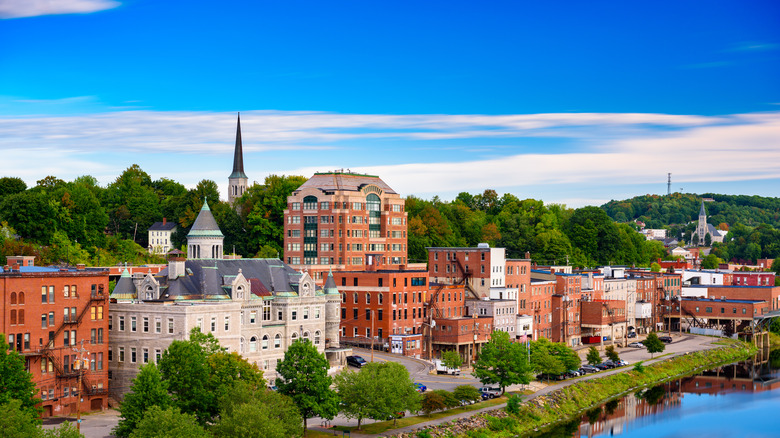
(432, 401)
(505, 423)
(639, 368)
(513, 405)
(449, 398)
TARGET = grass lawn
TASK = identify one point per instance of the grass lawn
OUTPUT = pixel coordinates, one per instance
(383, 426)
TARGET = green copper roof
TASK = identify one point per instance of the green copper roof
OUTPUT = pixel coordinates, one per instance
(205, 225)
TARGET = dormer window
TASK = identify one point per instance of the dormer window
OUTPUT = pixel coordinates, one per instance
(149, 293)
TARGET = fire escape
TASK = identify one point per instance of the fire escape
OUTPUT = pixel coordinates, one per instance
(433, 303)
(49, 351)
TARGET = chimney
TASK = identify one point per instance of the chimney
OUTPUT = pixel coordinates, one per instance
(175, 269)
(165, 221)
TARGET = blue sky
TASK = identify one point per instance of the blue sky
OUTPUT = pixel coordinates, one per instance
(569, 102)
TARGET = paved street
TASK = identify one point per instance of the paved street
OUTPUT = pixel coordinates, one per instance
(99, 425)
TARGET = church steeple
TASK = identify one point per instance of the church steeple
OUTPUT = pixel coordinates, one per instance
(237, 181)
(701, 211)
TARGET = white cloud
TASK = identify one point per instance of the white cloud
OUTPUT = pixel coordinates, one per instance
(34, 8)
(603, 150)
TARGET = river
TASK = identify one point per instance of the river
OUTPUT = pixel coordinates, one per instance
(736, 400)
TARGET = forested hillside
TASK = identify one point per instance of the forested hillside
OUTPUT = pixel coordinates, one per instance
(753, 222)
(79, 221)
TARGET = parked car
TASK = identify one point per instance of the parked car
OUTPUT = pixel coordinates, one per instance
(623, 363)
(631, 335)
(490, 392)
(356, 361)
(420, 387)
(609, 364)
(589, 369)
(573, 373)
(636, 345)
(601, 366)
(665, 339)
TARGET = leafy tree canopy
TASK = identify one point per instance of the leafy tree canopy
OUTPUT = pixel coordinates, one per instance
(502, 362)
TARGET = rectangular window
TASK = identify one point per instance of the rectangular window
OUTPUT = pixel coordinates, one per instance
(132, 355)
(279, 315)
(93, 313)
(294, 315)
(121, 354)
(100, 361)
(227, 323)
(146, 355)
(121, 323)
(170, 326)
(133, 323)
(252, 317)
(51, 319)
(213, 323)
(157, 354)
(66, 338)
(100, 336)
(44, 296)
(355, 313)
(66, 291)
(51, 294)
(158, 325)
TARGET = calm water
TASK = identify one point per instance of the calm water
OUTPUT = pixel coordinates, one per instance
(738, 400)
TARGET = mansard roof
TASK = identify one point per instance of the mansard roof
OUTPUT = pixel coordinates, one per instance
(210, 279)
(205, 224)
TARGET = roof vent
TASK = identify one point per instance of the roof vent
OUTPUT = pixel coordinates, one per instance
(483, 245)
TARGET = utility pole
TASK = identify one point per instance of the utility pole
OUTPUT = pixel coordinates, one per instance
(82, 362)
(372, 334)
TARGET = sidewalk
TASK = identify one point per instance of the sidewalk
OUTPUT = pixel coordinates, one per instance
(543, 389)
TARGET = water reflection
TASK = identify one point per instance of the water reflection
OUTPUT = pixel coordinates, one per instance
(718, 400)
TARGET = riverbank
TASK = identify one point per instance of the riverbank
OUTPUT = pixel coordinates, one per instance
(566, 402)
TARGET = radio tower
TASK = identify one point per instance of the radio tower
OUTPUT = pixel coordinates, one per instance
(669, 184)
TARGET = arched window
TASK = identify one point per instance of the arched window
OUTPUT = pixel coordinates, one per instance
(13, 317)
(240, 292)
(317, 337)
(380, 298)
(355, 300)
(310, 203)
(277, 341)
(306, 336)
(265, 342)
(373, 205)
(13, 297)
(241, 345)
(343, 297)
(21, 297)
(253, 344)
(21, 317)
(368, 297)
(149, 293)
(294, 336)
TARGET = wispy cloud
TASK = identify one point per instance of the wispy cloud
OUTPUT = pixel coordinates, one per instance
(34, 8)
(753, 46)
(606, 150)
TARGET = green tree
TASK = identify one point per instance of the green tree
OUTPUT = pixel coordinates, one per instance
(11, 185)
(451, 359)
(303, 376)
(16, 421)
(710, 261)
(65, 430)
(593, 356)
(378, 391)
(466, 392)
(653, 344)
(513, 404)
(15, 381)
(655, 267)
(612, 354)
(776, 266)
(168, 423)
(148, 389)
(431, 402)
(502, 362)
(248, 411)
(449, 398)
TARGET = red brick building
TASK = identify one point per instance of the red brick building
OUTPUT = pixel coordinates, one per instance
(485, 268)
(54, 317)
(746, 278)
(378, 304)
(604, 318)
(539, 306)
(769, 294)
(466, 335)
(344, 221)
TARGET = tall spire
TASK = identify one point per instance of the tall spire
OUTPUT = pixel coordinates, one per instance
(701, 211)
(238, 155)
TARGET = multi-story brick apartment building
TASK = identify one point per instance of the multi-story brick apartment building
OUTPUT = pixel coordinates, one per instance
(483, 266)
(604, 318)
(256, 307)
(377, 304)
(539, 305)
(344, 221)
(57, 318)
(504, 313)
(565, 304)
(465, 334)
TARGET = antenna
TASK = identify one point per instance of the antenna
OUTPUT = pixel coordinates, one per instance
(668, 183)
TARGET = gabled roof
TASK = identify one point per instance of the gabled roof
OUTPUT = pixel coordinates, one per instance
(205, 224)
(160, 226)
